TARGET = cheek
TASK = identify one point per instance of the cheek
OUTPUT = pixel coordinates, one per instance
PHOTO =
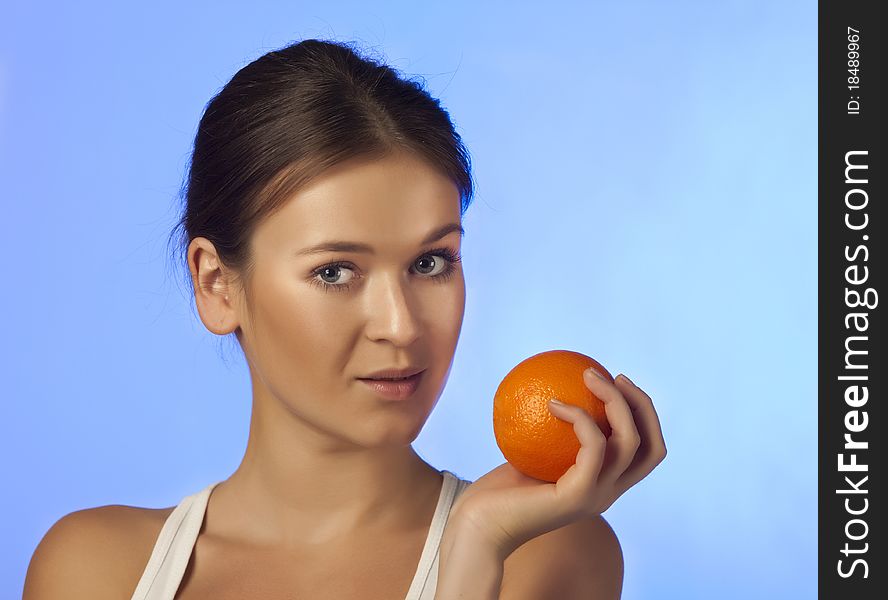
(456, 305)
(297, 329)
(447, 310)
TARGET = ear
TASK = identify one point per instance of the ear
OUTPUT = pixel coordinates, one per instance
(213, 289)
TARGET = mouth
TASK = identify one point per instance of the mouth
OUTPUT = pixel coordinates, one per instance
(399, 388)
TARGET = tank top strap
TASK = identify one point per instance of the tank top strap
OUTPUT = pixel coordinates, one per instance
(173, 548)
(424, 580)
(172, 551)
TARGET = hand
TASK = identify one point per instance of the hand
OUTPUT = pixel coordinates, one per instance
(509, 508)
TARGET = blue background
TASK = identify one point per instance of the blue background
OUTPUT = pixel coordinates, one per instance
(646, 195)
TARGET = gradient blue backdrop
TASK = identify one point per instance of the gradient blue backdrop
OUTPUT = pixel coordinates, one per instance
(646, 195)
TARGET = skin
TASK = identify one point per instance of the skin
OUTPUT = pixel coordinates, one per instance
(329, 470)
(327, 459)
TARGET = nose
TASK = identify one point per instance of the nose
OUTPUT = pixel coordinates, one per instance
(391, 312)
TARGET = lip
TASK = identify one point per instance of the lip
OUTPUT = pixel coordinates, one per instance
(393, 373)
(395, 390)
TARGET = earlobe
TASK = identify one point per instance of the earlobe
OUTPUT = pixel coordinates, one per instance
(216, 311)
(217, 315)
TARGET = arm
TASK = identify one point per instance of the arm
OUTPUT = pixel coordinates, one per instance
(55, 567)
(81, 557)
(579, 561)
(470, 568)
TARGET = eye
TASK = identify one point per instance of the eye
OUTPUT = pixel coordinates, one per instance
(432, 262)
(436, 265)
(329, 270)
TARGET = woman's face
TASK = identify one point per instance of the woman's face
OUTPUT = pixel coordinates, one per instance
(400, 304)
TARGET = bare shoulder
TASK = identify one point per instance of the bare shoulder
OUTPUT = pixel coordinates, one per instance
(580, 560)
(94, 553)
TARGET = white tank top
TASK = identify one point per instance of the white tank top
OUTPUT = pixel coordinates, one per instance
(161, 578)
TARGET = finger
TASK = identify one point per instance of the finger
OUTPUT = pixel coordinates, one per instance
(644, 414)
(582, 476)
(653, 447)
(624, 440)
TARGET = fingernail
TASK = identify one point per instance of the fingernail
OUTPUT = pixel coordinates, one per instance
(556, 402)
(594, 372)
(626, 378)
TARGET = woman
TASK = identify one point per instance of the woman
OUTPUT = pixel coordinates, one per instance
(322, 226)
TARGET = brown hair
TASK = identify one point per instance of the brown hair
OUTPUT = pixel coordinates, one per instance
(284, 119)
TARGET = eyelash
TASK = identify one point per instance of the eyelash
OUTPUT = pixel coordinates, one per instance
(448, 254)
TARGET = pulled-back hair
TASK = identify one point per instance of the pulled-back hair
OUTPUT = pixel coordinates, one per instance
(287, 117)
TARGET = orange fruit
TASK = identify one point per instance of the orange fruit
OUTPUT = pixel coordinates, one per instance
(531, 438)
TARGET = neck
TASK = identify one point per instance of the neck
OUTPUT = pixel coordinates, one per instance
(298, 486)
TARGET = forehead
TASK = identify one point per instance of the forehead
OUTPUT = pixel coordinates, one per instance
(385, 202)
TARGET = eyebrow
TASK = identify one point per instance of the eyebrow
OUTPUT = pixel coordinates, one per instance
(340, 246)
